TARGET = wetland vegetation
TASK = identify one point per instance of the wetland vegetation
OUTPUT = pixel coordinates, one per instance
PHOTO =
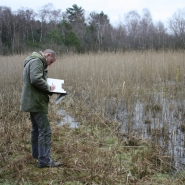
(130, 108)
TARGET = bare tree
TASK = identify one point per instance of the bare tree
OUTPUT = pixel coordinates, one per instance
(146, 30)
(177, 27)
(177, 22)
(1, 26)
(55, 18)
(132, 21)
(6, 28)
(119, 37)
(160, 35)
(24, 22)
(44, 15)
(30, 15)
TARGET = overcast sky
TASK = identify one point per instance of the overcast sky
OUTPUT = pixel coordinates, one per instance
(160, 10)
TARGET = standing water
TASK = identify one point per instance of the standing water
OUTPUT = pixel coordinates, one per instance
(162, 122)
(67, 119)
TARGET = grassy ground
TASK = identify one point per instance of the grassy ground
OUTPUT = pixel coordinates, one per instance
(96, 152)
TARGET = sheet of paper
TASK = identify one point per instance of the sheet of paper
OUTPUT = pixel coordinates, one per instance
(58, 84)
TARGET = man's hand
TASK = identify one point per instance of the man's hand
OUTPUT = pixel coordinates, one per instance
(52, 87)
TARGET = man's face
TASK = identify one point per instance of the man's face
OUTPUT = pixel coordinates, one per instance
(49, 59)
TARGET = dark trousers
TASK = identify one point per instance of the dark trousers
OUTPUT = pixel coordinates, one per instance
(40, 137)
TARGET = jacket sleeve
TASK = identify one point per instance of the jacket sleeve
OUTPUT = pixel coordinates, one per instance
(37, 76)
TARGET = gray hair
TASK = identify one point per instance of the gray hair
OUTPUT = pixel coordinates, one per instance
(53, 53)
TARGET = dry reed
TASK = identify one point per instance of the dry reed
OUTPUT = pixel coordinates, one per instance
(98, 152)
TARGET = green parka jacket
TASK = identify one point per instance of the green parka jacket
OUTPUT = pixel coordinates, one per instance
(35, 90)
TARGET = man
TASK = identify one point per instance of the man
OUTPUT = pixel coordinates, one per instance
(35, 99)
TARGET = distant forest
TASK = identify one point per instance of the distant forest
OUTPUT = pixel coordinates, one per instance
(71, 31)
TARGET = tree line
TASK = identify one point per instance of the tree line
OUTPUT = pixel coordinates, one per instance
(25, 30)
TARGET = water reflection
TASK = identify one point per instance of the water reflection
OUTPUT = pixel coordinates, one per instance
(67, 119)
(161, 122)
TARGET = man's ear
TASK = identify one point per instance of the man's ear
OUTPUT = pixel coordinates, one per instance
(47, 54)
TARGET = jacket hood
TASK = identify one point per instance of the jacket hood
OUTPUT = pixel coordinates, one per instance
(35, 55)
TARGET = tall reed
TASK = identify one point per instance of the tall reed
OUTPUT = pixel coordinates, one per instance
(144, 91)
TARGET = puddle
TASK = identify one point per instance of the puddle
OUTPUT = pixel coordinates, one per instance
(162, 126)
(67, 119)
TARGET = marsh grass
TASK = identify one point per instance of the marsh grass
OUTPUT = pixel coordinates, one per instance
(103, 91)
